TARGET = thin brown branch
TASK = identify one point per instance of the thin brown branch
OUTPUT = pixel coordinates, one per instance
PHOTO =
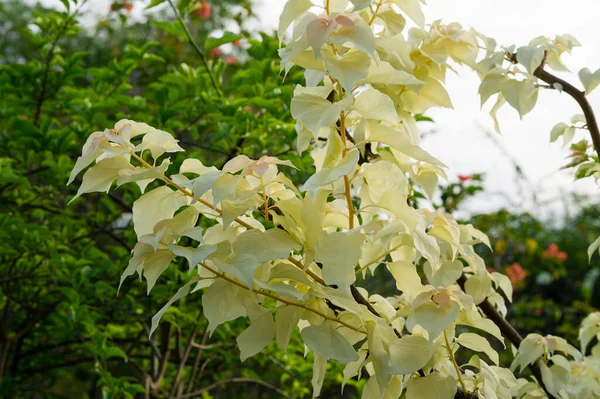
(186, 354)
(48, 60)
(236, 380)
(197, 361)
(200, 53)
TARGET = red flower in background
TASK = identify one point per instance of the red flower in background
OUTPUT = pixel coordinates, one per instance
(515, 273)
(237, 43)
(231, 60)
(125, 5)
(552, 252)
(215, 52)
(204, 12)
(464, 178)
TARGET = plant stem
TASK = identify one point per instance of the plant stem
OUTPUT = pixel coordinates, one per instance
(347, 193)
(220, 212)
(200, 53)
(451, 355)
(375, 13)
(386, 253)
(355, 294)
(265, 200)
(280, 299)
(48, 61)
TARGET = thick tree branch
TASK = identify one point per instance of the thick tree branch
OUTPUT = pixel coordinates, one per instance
(578, 96)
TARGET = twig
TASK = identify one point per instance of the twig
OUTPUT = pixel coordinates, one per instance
(456, 367)
(266, 293)
(213, 80)
(238, 380)
(184, 358)
(197, 361)
(48, 61)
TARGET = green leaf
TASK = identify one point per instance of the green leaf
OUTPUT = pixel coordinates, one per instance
(530, 350)
(154, 3)
(521, 95)
(491, 84)
(264, 246)
(479, 287)
(112, 352)
(589, 80)
(530, 57)
(409, 354)
(101, 176)
(155, 264)
(227, 37)
(412, 8)
(193, 255)
(433, 318)
(292, 10)
(592, 248)
(432, 386)
(372, 104)
(254, 338)
(326, 342)
(172, 27)
(479, 344)
(329, 175)
(222, 302)
(286, 321)
(339, 252)
(154, 206)
(315, 112)
(318, 377)
(67, 4)
(181, 293)
(351, 68)
(241, 266)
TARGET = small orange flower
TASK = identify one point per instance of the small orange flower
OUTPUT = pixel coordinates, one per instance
(552, 252)
(515, 273)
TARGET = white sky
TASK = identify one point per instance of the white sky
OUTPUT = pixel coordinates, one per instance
(460, 140)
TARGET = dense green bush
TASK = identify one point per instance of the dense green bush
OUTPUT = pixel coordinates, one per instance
(64, 331)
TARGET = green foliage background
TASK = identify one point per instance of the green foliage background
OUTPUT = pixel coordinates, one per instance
(64, 333)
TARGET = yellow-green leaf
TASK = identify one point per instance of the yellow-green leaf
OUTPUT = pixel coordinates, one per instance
(326, 342)
(409, 354)
(432, 386)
